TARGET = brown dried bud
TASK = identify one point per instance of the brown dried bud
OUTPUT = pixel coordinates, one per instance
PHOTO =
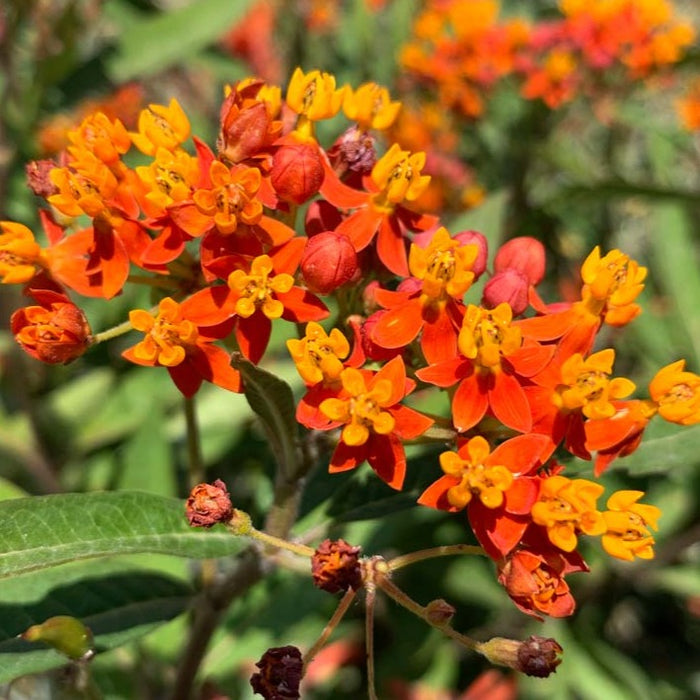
(297, 172)
(335, 566)
(536, 656)
(209, 504)
(356, 149)
(439, 612)
(328, 262)
(280, 674)
(38, 177)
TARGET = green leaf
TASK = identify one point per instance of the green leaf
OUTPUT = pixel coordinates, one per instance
(152, 43)
(46, 531)
(117, 603)
(674, 257)
(272, 400)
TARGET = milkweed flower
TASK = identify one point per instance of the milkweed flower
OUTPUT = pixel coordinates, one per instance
(374, 421)
(161, 126)
(371, 107)
(319, 356)
(489, 367)
(55, 331)
(21, 257)
(627, 526)
(442, 273)
(172, 340)
(395, 178)
(567, 507)
(497, 487)
(676, 392)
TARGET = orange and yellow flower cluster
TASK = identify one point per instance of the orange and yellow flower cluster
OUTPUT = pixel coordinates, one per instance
(258, 228)
(464, 49)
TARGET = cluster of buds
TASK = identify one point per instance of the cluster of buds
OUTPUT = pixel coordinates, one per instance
(213, 228)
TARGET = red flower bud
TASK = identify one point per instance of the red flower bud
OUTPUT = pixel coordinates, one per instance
(246, 125)
(328, 262)
(508, 285)
(55, 332)
(209, 504)
(297, 172)
(479, 240)
(524, 254)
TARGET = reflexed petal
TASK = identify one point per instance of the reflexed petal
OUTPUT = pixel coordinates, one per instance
(399, 326)
(469, 403)
(509, 403)
(435, 496)
(386, 456)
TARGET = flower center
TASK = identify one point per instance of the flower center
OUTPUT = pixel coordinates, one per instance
(256, 289)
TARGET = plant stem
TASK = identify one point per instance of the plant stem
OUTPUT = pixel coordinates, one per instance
(394, 592)
(338, 615)
(370, 596)
(279, 543)
(110, 333)
(446, 550)
(195, 466)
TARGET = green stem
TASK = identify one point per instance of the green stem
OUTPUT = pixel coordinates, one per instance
(396, 594)
(110, 333)
(278, 543)
(195, 466)
(338, 615)
(446, 550)
(369, 638)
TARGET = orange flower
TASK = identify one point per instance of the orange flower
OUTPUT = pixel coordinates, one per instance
(374, 421)
(319, 356)
(567, 507)
(257, 293)
(107, 140)
(313, 96)
(492, 358)
(497, 487)
(21, 257)
(677, 394)
(396, 178)
(627, 524)
(174, 341)
(55, 332)
(611, 285)
(371, 107)
(161, 127)
(444, 269)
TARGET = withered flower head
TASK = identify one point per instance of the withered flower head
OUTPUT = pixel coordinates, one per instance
(209, 504)
(280, 674)
(536, 656)
(335, 566)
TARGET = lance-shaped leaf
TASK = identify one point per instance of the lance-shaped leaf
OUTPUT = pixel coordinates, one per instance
(272, 400)
(45, 531)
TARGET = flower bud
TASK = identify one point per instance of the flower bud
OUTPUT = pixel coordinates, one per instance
(439, 612)
(335, 566)
(56, 332)
(480, 241)
(510, 286)
(297, 172)
(209, 504)
(328, 262)
(281, 669)
(38, 180)
(524, 254)
(536, 656)
(66, 634)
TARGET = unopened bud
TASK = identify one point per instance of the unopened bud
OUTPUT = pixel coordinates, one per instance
(439, 612)
(510, 286)
(56, 332)
(536, 656)
(209, 504)
(328, 262)
(479, 240)
(280, 674)
(335, 566)
(524, 254)
(66, 634)
(297, 172)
